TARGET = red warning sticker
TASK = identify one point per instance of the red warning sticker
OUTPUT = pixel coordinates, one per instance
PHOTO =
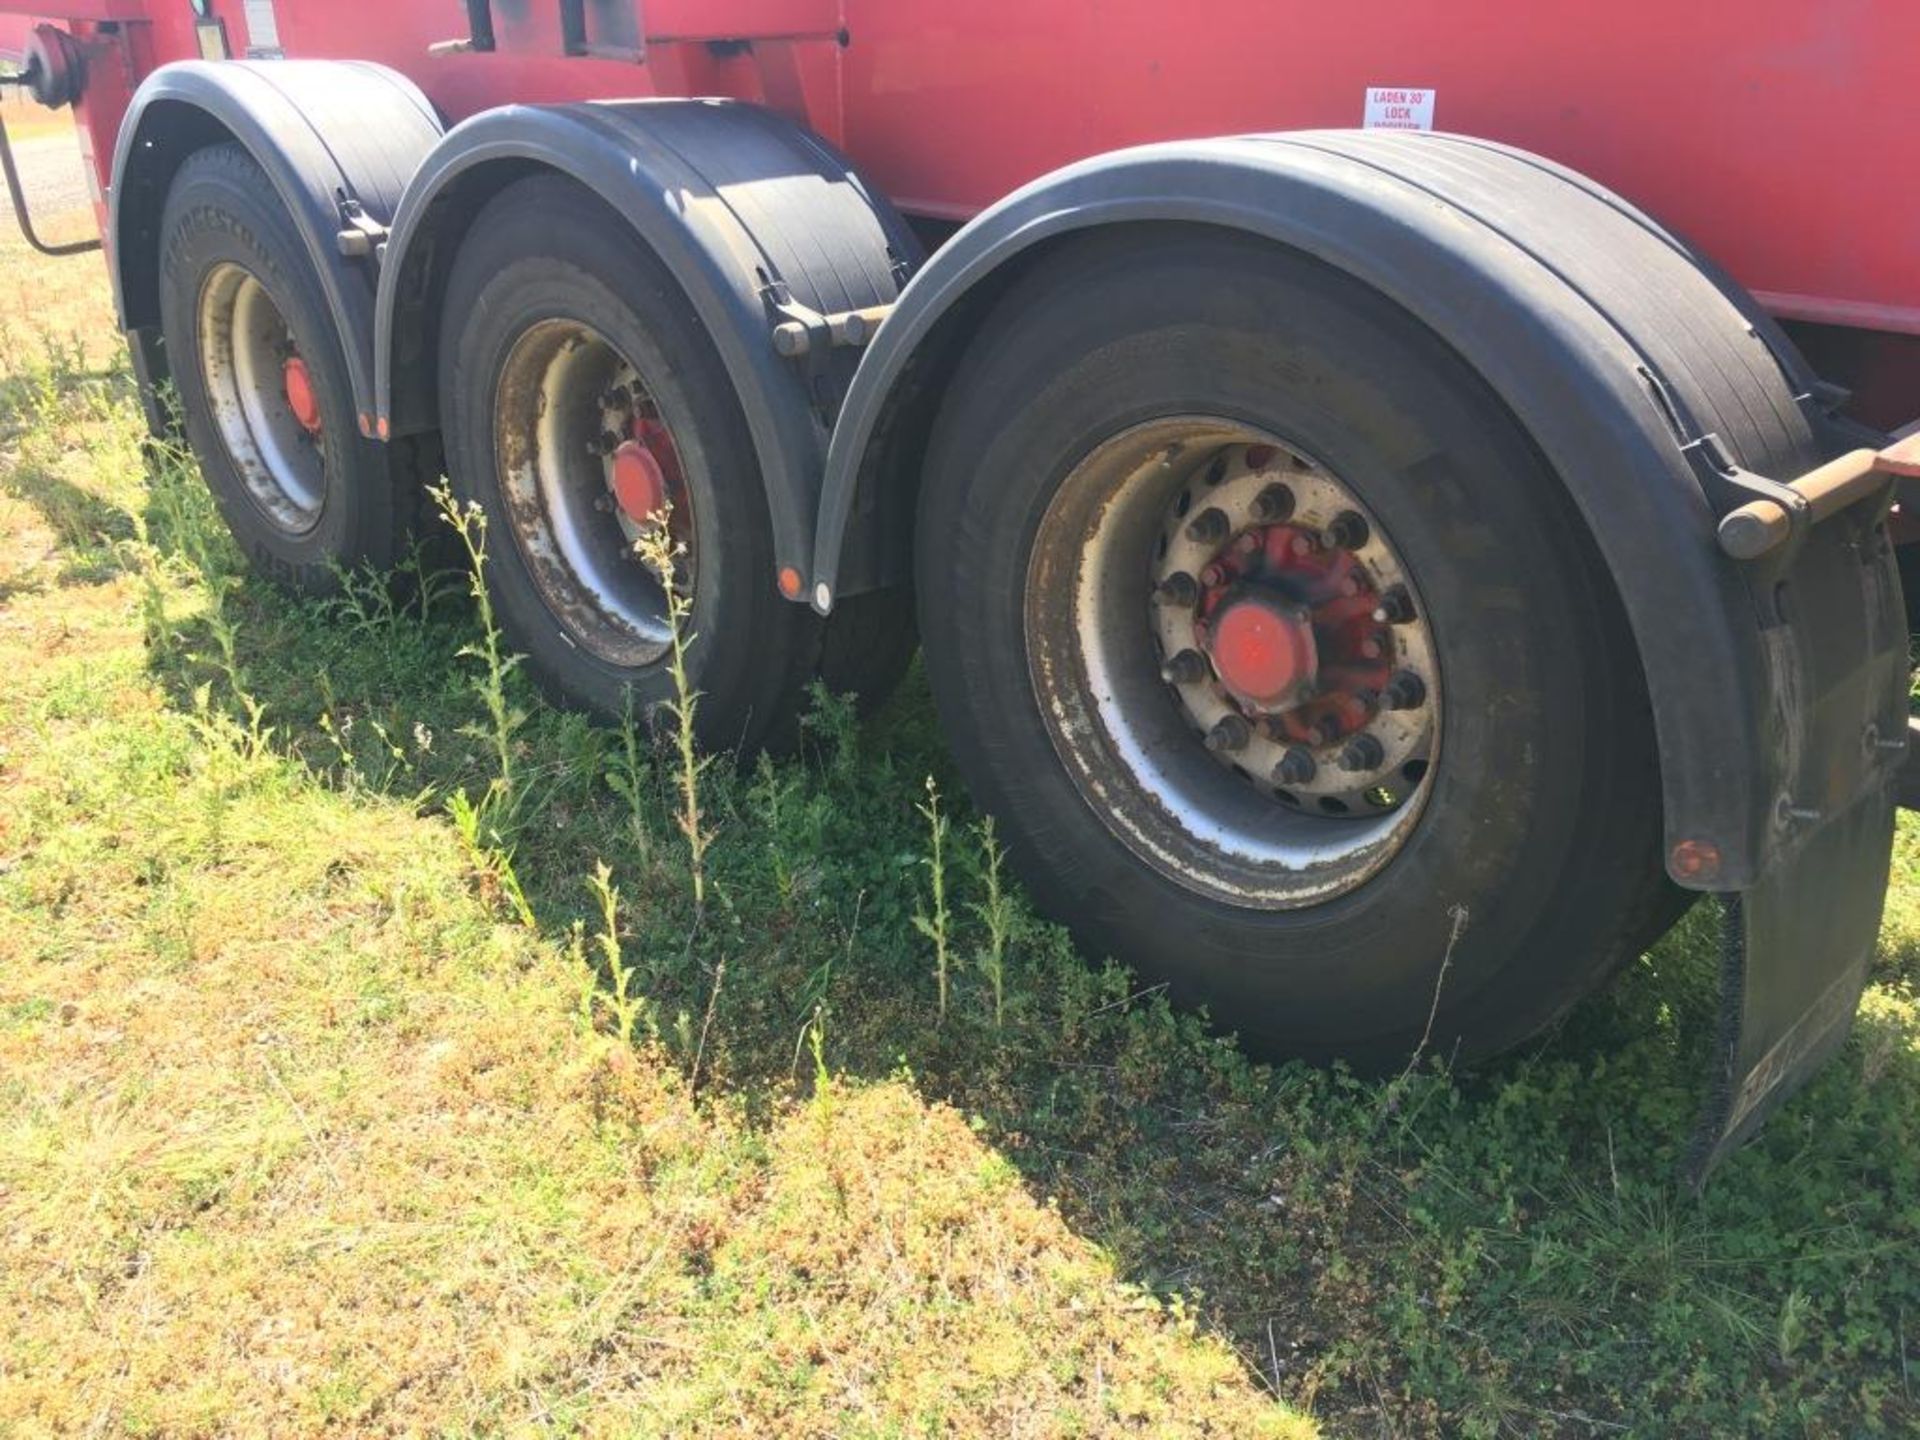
(1392, 107)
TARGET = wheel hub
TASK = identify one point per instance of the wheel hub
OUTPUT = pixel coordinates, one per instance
(1263, 649)
(638, 482)
(1288, 634)
(262, 397)
(588, 464)
(1232, 662)
(641, 463)
(1288, 621)
(301, 400)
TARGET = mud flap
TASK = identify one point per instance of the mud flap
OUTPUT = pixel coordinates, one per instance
(1799, 942)
(1796, 951)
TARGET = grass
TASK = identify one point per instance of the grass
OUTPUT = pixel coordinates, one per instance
(337, 1096)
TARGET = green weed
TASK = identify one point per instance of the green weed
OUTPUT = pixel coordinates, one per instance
(933, 923)
(659, 552)
(996, 912)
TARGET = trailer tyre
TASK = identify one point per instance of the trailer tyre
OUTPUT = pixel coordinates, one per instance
(263, 387)
(582, 402)
(1285, 662)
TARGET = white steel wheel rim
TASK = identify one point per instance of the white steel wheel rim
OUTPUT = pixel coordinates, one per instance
(1131, 740)
(553, 411)
(245, 343)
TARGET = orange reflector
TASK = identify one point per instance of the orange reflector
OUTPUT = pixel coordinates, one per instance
(1695, 860)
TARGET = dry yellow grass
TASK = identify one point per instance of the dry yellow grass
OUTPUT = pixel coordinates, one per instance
(41, 296)
(294, 1136)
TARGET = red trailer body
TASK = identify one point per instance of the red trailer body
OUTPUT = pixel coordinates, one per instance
(1723, 554)
(1764, 132)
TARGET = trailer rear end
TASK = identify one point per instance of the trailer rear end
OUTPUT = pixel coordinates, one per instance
(1376, 571)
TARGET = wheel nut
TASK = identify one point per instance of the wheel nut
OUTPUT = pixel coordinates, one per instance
(1405, 691)
(1178, 589)
(1187, 668)
(618, 398)
(1210, 526)
(1296, 767)
(1348, 530)
(1395, 607)
(1273, 504)
(1230, 734)
(1363, 752)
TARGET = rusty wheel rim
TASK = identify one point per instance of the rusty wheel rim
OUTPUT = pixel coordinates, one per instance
(247, 353)
(587, 464)
(1278, 774)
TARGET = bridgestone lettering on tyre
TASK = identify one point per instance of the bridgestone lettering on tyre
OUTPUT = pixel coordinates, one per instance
(1282, 659)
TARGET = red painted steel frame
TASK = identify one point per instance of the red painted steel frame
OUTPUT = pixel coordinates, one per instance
(1775, 134)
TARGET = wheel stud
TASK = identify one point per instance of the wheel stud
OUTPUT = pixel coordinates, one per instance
(1363, 752)
(1189, 667)
(1348, 530)
(1395, 607)
(1273, 504)
(1296, 767)
(618, 398)
(1178, 589)
(1210, 526)
(1231, 733)
(1405, 691)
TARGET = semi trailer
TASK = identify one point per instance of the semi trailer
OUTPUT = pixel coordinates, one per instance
(1395, 504)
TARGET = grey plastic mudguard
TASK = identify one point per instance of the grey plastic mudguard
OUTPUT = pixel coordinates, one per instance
(325, 132)
(741, 205)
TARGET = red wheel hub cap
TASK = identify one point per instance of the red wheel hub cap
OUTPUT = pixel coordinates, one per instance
(639, 484)
(1263, 652)
(1288, 622)
(300, 397)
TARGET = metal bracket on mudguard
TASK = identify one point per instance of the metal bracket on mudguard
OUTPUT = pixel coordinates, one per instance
(1727, 485)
